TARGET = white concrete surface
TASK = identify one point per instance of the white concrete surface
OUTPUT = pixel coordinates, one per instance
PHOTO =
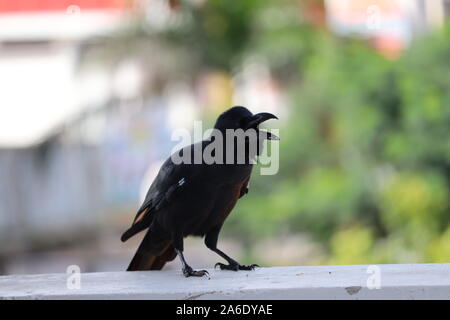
(402, 281)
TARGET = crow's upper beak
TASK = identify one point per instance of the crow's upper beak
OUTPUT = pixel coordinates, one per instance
(258, 118)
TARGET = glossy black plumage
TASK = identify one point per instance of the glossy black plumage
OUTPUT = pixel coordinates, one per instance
(192, 199)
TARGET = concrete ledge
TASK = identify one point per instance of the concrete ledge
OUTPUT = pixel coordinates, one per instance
(402, 281)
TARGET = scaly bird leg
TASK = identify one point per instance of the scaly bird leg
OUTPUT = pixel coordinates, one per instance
(187, 269)
(211, 242)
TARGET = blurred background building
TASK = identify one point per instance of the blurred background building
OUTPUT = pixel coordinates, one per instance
(91, 91)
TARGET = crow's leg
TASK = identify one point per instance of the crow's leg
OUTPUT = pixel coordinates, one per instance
(211, 242)
(187, 270)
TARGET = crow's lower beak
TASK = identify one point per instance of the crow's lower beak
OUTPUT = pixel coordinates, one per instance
(267, 135)
(258, 118)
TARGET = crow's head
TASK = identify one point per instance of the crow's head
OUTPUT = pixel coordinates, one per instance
(241, 118)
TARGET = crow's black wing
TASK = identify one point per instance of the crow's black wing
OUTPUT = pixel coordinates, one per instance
(171, 180)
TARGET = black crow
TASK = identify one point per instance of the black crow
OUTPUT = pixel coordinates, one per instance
(191, 198)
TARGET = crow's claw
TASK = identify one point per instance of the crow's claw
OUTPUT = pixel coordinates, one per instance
(189, 272)
(223, 266)
(235, 267)
(250, 267)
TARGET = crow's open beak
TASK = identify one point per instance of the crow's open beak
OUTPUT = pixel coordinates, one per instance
(268, 135)
(258, 118)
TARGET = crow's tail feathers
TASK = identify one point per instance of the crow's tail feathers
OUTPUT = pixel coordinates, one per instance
(147, 261)
(146, 258)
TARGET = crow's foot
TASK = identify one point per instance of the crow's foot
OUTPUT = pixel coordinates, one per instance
(235, 266)
(189, 272)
